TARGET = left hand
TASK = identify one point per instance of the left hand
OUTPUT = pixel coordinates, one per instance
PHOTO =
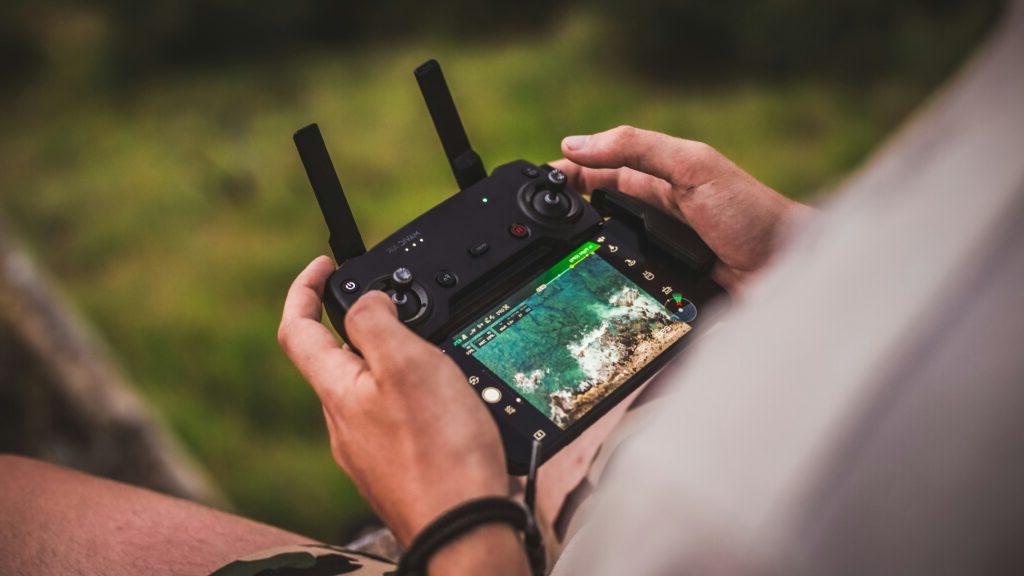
(402, 419)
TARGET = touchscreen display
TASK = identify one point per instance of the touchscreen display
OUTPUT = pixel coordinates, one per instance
(572, 335)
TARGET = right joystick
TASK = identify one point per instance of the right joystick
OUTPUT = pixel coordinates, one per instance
(551, 201)
(555, 184)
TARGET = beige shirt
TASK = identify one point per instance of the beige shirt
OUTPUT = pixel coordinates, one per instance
(862, 408)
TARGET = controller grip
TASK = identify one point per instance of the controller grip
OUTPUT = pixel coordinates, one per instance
(664, 231)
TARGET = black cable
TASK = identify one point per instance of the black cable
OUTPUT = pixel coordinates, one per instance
(473, 513)
(532, 538)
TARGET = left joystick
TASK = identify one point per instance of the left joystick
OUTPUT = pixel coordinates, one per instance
(409, 298)
(401, 281)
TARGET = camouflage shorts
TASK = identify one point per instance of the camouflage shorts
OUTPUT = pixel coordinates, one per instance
(308, 560)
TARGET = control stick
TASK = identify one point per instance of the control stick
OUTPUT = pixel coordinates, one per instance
(401, 280)
(555, 184)
(549, 199)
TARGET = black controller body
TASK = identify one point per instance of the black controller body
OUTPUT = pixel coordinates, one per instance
(475, 247)
(458, 273)
(464, 249)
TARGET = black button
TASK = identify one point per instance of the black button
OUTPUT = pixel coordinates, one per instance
(519, 230)
(350, 286)
(531, 172)
(479, 249)
(446, 279)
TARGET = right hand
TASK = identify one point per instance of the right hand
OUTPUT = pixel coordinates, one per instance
(739, 218)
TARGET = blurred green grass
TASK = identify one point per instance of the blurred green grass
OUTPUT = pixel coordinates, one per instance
(176, 213)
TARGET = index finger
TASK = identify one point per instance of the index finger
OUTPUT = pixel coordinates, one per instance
(584, 180)
(650, 189)
(684, 163)
(306, 291)
(308, 343)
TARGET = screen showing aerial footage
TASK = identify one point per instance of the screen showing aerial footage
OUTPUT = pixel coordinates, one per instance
(572, 336)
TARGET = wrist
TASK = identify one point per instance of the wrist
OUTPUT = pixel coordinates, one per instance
(486, 535)
(422, 513)
(442, 495)
(488, 549)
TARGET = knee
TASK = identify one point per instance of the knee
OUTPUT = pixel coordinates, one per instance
(27, 524)
(20, 473)
(15, 461)
(13, 464)
(29, 489)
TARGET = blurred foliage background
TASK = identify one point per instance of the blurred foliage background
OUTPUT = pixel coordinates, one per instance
(146, 156)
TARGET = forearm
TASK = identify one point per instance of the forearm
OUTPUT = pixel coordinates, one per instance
(490, 549)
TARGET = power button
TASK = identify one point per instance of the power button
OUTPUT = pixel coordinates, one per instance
(350, 286)
(519, 230)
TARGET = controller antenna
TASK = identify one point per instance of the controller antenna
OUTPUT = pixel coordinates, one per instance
(466, 164)
(345, 240)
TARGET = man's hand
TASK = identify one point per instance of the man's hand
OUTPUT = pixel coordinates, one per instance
(739, 218)
(403, 421)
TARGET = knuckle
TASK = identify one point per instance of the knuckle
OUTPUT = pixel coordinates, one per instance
(693, 163)
(703, 152)
(354, 318)
(334, 403)
(362, 312)
(283, 335)
(623, 134)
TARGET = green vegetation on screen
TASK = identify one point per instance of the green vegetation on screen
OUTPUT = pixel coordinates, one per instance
(175, 211)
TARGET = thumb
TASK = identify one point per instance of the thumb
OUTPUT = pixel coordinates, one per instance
(678, 161)
(387, 345)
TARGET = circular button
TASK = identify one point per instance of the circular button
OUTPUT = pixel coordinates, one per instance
(446, 279)
(491, 395)
(531, 172)
(402, 276)
(519, 230)
(350, 286)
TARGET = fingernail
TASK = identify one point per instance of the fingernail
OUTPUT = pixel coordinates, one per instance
(575, 143)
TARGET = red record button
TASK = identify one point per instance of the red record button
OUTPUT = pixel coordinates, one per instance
(519, 230)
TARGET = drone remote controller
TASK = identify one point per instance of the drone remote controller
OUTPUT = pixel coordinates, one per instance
(555, 307)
